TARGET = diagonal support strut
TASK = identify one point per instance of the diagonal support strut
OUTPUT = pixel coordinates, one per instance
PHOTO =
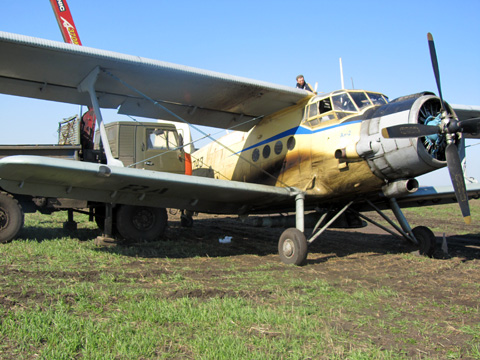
(88, 85)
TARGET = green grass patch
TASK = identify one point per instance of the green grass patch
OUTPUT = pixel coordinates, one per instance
(65, 298)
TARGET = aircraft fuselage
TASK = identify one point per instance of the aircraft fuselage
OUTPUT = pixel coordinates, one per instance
(329, 146)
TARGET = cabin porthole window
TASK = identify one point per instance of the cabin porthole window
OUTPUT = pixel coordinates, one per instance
(255, 155)
(266, 151)
(278, 147)
(291, 143)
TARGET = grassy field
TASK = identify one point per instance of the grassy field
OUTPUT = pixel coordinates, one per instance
(186, 298)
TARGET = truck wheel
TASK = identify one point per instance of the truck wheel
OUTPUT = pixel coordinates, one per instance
(141, 222)
(11, 217)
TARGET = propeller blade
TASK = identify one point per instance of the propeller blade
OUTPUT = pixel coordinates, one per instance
(456, 174)
(409, 131)
(436, 71)
(470, 126)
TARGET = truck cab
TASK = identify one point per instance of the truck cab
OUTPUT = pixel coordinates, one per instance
(155, 146)
(146, 145)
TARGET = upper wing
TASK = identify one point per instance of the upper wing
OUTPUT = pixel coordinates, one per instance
(43, 176)
(52, 70)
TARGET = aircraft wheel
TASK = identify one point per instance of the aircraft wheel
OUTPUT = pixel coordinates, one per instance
(293, 247)
(426, 239)
(141, 222)
(11, 217)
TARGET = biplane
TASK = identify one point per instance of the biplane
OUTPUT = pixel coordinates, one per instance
(333, 155)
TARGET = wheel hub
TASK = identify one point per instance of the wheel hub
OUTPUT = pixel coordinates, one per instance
(143, 220)
(288, 248)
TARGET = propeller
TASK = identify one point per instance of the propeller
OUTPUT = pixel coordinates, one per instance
(445, 125)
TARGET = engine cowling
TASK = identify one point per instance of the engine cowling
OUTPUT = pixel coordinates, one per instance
(392, 159)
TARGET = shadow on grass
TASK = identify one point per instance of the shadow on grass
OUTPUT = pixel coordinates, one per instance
(37, 233)
(202, 240)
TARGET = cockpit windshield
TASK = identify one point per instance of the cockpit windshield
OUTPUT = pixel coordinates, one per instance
(340, 104)
(343, 102)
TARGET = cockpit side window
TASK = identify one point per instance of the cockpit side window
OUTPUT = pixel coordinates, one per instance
(377, 99)
(313, 110)
(360, 99)
(319, 112)
(325, 105)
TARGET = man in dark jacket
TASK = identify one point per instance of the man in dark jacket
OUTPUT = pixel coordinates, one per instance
(302, 84)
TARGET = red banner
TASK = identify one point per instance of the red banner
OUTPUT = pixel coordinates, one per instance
(65, 21)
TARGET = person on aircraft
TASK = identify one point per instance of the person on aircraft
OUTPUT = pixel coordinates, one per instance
(302, 84)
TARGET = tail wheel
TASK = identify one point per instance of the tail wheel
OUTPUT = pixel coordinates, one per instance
(426, 240)
(11, 217)
(293, 247)
(141, 222)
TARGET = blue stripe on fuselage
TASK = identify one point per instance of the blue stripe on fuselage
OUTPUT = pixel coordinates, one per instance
(298, 130)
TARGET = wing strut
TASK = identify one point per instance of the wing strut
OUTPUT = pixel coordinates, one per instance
(88, 85)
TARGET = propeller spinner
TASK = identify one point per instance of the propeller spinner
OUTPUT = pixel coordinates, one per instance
(447, 127)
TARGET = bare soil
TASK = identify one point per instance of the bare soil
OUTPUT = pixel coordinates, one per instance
(348, 258)
(367, 257)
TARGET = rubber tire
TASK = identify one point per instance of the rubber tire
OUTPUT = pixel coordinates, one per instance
(11, 217)
(141, 223)
(426, 240)
(293, 247)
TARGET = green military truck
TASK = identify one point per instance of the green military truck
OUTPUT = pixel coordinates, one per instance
(154, 146)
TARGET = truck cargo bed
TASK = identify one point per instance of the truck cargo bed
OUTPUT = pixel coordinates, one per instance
(57, 151)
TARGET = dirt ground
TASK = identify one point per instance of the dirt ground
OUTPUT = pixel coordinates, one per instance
(367, 257)
(338, 243)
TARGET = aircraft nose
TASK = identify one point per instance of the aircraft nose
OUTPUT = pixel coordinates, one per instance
(407, 156)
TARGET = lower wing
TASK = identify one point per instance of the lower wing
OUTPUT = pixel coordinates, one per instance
(43, 176)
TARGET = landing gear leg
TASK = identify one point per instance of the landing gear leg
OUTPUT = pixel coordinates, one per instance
(70, 224)
(107, 239)
(292, 245)
(420, 236)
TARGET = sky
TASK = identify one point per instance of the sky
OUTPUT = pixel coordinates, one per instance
(383, 46)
